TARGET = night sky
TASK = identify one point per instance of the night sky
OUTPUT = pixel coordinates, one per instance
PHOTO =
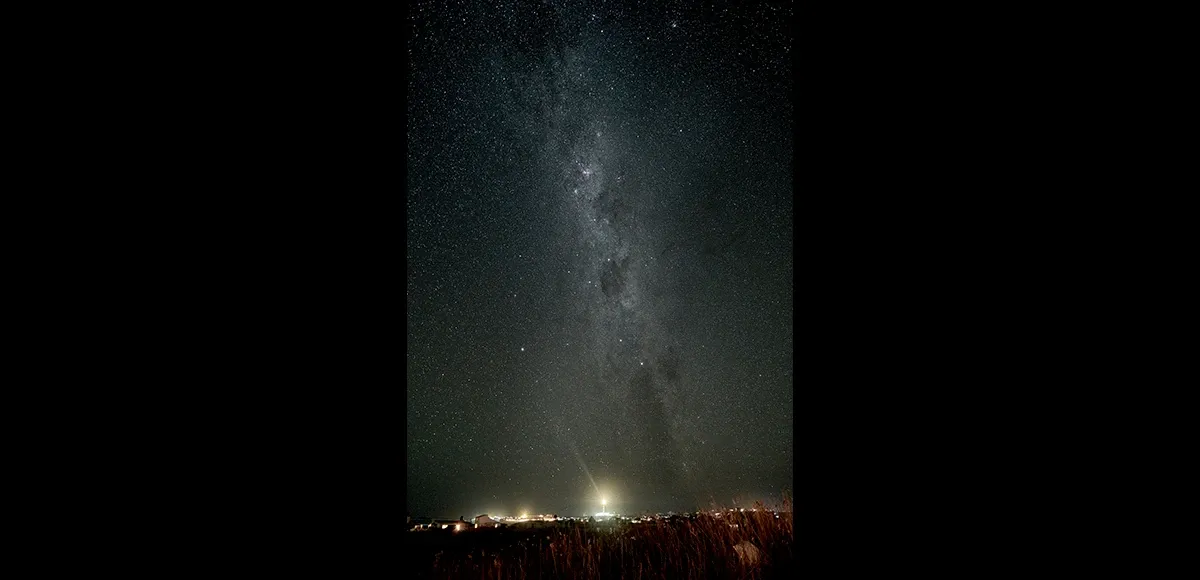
(599, 252)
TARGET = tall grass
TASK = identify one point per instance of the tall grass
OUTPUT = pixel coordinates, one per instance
(702, 547)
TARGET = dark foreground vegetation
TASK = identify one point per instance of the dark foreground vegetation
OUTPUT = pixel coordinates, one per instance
(751, 544)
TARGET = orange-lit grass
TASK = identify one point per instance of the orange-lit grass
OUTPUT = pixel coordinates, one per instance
(699, 548)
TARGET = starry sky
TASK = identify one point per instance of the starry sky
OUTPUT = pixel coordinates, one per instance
(599, 256)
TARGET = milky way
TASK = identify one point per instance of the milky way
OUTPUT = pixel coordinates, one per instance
(633, 371)
(599, 256)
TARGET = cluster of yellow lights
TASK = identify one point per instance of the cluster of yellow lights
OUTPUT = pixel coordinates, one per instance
(525, 517)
